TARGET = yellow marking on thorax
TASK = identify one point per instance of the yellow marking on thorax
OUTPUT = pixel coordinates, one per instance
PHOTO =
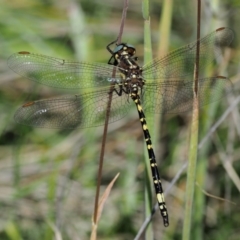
(123, 76)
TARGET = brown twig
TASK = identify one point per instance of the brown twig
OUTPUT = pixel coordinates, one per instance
(124, 14)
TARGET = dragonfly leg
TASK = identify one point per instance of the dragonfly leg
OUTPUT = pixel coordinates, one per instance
(110, 44)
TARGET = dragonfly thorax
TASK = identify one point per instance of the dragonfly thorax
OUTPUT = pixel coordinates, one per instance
(131, 72)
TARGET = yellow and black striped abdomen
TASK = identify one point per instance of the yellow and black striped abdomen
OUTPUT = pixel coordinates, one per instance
(152, 160)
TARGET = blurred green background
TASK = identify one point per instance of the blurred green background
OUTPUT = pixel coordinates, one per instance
(48, 177)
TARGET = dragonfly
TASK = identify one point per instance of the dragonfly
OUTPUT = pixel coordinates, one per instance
(168, 81)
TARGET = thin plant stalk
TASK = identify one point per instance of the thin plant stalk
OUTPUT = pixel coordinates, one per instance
(164, 36)
(147, 58)
(165, 27)
(124, 13)
(193, 147)
(154, 121)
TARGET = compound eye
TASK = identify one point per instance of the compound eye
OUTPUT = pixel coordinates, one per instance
(131, 49)
(118, 48)
(130, 46)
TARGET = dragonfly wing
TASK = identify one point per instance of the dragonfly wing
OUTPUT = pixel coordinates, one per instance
(83, 111)
(179, 64)
(59, 73)
(177, 97)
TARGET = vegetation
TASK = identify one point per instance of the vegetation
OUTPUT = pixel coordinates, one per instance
(48, 176)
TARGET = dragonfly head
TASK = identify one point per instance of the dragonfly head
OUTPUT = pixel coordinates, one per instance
(122, 49)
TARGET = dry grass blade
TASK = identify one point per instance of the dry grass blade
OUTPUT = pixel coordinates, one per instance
(101, 203)
(232, 173)
(213, 196)
(58, 235)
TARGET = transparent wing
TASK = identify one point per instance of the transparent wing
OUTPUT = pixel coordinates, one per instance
(59, 73)
(179, 64)
(175, 97)
(83, 111)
